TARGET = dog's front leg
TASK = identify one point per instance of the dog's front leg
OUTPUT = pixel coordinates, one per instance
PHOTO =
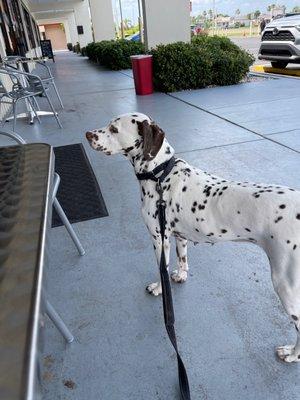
(180, 274)
(155, 288)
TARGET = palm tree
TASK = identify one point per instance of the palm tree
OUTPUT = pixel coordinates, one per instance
(256, 14)
(271, 7)
(127, 23)
(204, 14)
(237, 12)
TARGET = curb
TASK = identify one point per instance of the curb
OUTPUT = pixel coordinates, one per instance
(276, 71)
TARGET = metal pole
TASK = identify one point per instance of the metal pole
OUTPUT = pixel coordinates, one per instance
(140, 22)
(58, 322)
(121, 15)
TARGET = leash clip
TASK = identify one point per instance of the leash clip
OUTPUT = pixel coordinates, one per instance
(160, 192)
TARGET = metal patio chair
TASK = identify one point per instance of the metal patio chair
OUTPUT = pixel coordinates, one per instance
(13, 92)
(22, 89)
(46, 76)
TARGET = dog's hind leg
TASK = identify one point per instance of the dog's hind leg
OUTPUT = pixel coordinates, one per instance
(180, 274)
(155, 288)
(286, 281)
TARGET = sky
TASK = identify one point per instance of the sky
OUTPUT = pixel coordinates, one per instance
(130, 7)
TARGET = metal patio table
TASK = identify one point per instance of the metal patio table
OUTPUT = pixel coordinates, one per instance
(26, 180)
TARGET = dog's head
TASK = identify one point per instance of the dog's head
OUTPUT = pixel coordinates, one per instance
(126, 133)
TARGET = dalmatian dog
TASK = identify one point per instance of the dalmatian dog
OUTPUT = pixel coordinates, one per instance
(205, 208)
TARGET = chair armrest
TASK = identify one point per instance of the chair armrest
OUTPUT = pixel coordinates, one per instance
(18, 72)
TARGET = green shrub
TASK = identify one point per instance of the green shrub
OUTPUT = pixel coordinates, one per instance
(229, 62)
(205, 61)
(77, 48)
(83, 51)
(180, 66)
(70, 46)
(114, 54)
(91, 51)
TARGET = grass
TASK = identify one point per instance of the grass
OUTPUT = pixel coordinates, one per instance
(235, 32)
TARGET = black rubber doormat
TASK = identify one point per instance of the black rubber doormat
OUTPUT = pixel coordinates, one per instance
(79, 193)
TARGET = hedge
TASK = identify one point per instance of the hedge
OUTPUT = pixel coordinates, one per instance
(206, 61)
(114, 54)
(230, 63)
(178, 66)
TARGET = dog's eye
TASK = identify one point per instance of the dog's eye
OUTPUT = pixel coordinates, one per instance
(113, 129)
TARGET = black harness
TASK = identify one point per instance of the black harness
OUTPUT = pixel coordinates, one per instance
(169, 317)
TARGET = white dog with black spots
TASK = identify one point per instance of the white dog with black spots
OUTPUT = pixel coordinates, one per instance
(205, 208)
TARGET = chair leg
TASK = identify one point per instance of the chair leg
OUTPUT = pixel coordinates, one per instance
(58, 322)
(36, 103)
(68, 226)
(33, 109)
(15, 115)
(57, 94)
(52, 108)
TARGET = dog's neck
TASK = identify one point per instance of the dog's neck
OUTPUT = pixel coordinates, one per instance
(139, 163)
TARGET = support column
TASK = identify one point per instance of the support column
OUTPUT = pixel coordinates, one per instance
(102, 20)
(166, 21)
(82, 17)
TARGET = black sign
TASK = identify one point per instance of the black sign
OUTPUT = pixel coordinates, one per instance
(80, 29)
(46, 48)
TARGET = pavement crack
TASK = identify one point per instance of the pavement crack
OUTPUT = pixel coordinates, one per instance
(233, 123)
(219, 146)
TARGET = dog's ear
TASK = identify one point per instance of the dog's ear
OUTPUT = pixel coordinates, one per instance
(153, 137)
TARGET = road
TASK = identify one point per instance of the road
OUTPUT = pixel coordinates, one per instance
(252, 45)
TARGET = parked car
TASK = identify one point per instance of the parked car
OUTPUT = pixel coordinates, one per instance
(134, 38)
(197, 29)
(280, 42)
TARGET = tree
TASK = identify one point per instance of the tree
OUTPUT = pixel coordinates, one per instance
(256, 14)
(237, 12)
(204, 14)
(127, 23)
(296, 9)
(249, 16)
(271, 7)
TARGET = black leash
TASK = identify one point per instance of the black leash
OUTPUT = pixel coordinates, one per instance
(169, 317)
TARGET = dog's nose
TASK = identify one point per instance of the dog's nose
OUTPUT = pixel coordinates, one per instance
(89, 135)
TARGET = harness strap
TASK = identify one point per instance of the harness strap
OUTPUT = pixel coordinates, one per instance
(166, 167)
(169, 317)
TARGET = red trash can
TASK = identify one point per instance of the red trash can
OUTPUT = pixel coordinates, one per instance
(142, 73)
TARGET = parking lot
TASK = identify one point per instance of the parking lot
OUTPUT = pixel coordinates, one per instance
(252, 44)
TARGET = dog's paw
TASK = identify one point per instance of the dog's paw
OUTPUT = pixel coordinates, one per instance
(179, 276)
(287, 353)
(154, 288)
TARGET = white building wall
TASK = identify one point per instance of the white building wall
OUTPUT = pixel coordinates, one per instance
(69, 24)
(82, 17)
(166, 21)
(102, 19)
(77, 13)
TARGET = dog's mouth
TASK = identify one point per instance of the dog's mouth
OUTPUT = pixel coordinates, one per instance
(90, 138)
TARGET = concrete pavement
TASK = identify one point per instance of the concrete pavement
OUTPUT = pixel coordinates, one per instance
(229, 319)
